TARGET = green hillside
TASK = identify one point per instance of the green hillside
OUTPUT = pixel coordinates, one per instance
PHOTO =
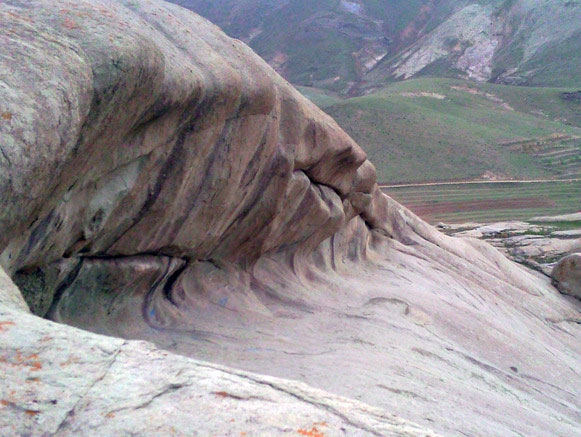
(446, 129)
(321, 98)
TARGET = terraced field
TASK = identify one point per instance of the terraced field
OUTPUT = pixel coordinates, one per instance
(560, 155)
(486, 202)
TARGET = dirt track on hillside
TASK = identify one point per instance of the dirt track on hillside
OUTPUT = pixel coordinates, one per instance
(510, 181)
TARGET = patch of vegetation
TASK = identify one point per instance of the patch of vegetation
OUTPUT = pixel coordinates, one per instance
(557, 64)
(560, 226)
(443, 67)
(321, 98)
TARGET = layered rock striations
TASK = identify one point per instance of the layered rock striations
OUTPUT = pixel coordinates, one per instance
(160, 182)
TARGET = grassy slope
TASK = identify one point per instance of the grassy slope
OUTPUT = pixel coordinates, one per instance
(321, 98)
(543, 102)
(557, 64)
(424, 138)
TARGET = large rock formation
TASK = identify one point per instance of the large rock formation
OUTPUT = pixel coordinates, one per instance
(160, 182)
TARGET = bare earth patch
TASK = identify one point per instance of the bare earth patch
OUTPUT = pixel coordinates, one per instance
(424, 94)
(489, 96)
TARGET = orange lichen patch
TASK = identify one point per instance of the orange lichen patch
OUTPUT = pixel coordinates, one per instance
(314, 432)
(82, 14)
(110, 415)
(31, 361)
(70, 24)
(35, 366)
(31, 412)
(4, 324)
(242, 434)
(71, 360)
(7, 116)
(4, 402)
(224, 394)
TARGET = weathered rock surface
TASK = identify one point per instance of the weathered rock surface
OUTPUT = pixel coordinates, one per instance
(567, 275)
(160, 182)
(472, 26)
(59, 380)
(538, 244)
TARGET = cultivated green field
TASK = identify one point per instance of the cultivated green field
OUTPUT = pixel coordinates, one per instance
(489, 202)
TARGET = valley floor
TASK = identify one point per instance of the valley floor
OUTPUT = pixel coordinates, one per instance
(486, 202)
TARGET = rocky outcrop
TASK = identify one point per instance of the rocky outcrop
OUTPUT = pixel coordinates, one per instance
(160, 182)
(513, 42)
(465, 41)
(213, 159)
(567, 275)
(59, 380)
(539, 243)
(574, 97)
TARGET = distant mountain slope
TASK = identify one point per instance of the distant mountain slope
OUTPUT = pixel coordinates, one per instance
(355, 45)
(328, 43)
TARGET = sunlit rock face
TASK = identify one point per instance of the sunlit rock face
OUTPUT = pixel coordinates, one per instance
(160, 182)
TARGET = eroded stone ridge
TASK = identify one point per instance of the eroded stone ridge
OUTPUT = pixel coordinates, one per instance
(160, 182)
(159, 136)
